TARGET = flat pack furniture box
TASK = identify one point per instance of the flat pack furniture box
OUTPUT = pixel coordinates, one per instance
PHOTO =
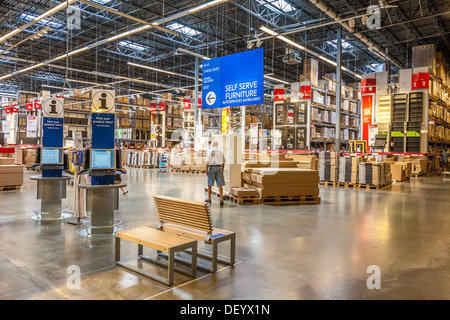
(244, 192)
(11, 175)
(6, 161)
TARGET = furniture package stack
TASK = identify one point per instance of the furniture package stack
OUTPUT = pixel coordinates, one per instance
(305, 161)
(143, 158)
(374, 173)
(11, 175)
(30, 157)
(283, 182)
(187, 160)
(349, 169)
(328, 166)
(420, 166)
(401, 170)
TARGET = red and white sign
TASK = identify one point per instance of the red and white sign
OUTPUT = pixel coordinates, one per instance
(278, 94)
(29, 106)
(8, 109)
(37, 104)
(14, 109)
(420, 80)
(368, 85)
(161, 106)
(186, 104)
(305, 92)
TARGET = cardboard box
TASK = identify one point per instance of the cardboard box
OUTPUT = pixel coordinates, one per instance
(397, 172)
(6, 161)
(11, 175)
(244, 192)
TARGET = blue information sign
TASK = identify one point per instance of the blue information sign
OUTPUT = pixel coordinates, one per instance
(233, 80)
(53, 132)
(103, 127)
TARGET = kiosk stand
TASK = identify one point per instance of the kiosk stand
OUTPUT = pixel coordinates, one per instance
(102, 162)
(51, 185)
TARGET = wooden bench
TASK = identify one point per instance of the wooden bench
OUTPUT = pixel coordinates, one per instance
(192, 219)
(160, 241)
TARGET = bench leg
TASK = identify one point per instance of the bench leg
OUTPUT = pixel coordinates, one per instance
(233, 249)
(140, 249)
(170, 267)
(117, 250)
(194, 260)
(214, 257)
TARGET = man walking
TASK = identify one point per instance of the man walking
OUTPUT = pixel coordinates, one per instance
(215, 163)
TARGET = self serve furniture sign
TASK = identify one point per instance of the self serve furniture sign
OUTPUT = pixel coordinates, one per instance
(233, 80)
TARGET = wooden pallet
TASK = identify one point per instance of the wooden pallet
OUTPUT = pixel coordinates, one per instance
(226, 196)
(371, 186)
(347, 184)
(10, 188)
(185, 171)
(197, 171)
(244, 200)
(289, 200)
(417, 174)
(329, 183)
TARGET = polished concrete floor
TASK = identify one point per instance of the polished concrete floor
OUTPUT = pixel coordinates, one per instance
(290, 252)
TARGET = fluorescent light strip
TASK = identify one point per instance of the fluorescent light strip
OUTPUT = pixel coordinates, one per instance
(275, 79)
(205, 5)
(192, 53)
(292, 43)
(60, 6)
(121, 35)
(159, 70)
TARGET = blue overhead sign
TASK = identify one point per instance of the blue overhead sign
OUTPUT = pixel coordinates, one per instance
(233, 80)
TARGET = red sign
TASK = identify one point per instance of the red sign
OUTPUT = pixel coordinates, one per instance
(199, 103)
(366, 115)
(278, 95)
(368, 85)
(14, 109)
(305, 92)
(420, 80)
(161, 106)
(7, 109)
(29, 106)
(187, 104)
(37, 104)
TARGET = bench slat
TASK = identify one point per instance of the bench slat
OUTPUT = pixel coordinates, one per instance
(185, 214)
(180, 205)
(191, 232)
(185, 223)
(181, 201)
(153, 238)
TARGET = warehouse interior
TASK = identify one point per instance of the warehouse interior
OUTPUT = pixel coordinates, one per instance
(335, 183)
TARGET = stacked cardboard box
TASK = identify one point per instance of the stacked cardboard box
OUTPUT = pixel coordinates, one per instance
(6, 161)
(349, 169)
(11, 175)
(244, 192)
(30, 157)
(328, 166)
(268, 160)
(401, 170)
(19, 156)
(305, 161)
(279, 182)
(420, 166)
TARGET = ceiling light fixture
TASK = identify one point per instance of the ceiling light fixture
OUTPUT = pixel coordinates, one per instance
(275, 79)
(192, 53)
(159, 70)
(60, 6)
(292, 43)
